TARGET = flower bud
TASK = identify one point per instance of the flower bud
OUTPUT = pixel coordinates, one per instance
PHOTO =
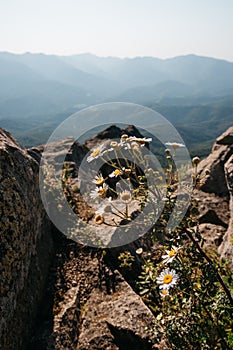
(196, 160)
(124, 137)
(113, 144)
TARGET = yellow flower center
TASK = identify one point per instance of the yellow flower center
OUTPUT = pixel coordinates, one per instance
(117, 172)
(164, 292)
(167, 279)
(95, 153)
(172, 253)
(99, 181)
(102, 191)
(99, 219)
(141, 141)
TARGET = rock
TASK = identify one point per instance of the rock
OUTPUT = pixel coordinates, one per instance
(87, 303)
(112, 132)
(59, 151)
(215, 200)
(216, 181)
(26, 244)
(116, 321)
(213, 209)
(213, 234)
(221, 152)
(226, 248)
(226, 138)
(73, 274)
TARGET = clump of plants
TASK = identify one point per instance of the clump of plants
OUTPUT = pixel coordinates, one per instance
(189, 292)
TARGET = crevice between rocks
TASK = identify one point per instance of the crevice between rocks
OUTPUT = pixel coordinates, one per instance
(127, 339)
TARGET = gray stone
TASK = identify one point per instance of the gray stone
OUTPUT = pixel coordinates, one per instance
(116, 321)
(25, 246)
(226, 248)
(226, 138)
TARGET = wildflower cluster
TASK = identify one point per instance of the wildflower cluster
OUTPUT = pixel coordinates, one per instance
(188, 290)
(121, 187)
(189, 293)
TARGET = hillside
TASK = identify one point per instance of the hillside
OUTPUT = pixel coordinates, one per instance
(38, 91)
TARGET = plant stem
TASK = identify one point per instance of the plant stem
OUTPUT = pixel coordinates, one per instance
(226, 290)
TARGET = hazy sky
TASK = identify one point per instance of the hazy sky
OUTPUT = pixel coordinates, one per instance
(161, 28)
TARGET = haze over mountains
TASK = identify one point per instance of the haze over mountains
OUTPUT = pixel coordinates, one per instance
(195, 93)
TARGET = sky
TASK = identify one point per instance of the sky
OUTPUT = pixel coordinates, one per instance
(123, 28)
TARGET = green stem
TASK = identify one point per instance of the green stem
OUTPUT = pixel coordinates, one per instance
(226, 290)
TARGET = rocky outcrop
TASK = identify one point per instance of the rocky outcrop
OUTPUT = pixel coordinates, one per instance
(116, 321)
(226, 248)
(91, 306)
(222, 150)
(60, 295)
(25, 246)
(112, 132)
(216, 197)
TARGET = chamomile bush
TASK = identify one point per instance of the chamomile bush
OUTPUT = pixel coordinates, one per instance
(189, 293)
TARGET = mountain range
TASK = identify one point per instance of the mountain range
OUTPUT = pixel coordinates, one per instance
(38, 91)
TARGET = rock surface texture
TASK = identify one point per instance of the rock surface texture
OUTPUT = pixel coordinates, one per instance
(55, 294)
(25, 246)
(216, 197)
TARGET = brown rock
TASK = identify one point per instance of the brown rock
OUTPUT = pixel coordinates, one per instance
(216, 197)
(112, 132)
(25, 246)
(213, 234)
(226, 138)
(213, 209)
(226, 248)
(116, 321)
(216, 181)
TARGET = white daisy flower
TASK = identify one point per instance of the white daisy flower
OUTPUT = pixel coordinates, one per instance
(126, 196)
(116, 173)
(139, 251)
(124, 137)
(167, 279)
(127, 171)
(164, 293)
(170, 254)
(115, 146)
(98, 180)
(196, 160)
(174, 145)
(99, 191)
(141, 140)
(96, 153)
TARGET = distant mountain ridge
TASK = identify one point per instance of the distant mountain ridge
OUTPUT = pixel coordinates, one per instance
(106, 77)
(195, 93)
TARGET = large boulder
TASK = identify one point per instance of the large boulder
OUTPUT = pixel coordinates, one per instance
(226, 248)
(116, 321)
(216, 197)
(26, 244)
(221, 152)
